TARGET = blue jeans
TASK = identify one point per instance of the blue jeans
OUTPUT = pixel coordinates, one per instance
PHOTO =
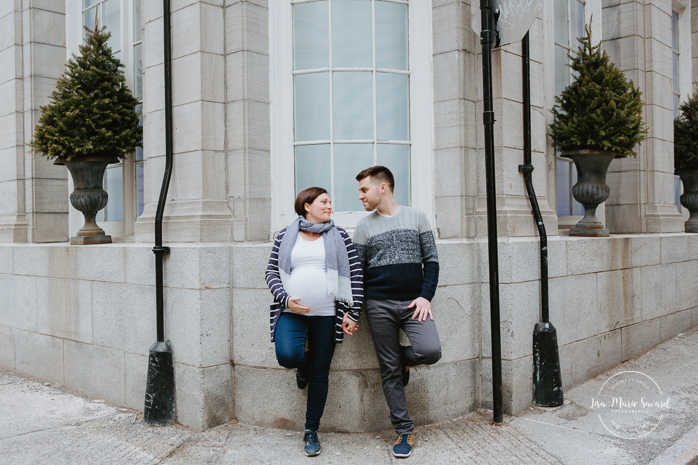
(292, 330)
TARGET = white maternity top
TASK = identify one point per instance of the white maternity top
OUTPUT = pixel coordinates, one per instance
(308, 278)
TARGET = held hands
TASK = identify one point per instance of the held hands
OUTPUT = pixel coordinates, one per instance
(349, 325)
(295, 307)
(422, 309)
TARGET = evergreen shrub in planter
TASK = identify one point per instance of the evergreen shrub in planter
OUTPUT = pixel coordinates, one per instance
(598, 117)
(90, 122)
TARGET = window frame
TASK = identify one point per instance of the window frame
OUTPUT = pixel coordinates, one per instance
(682, 7)
(591, 8)
(74, 37)
(676, 59)
(282, 124)
(683, 10)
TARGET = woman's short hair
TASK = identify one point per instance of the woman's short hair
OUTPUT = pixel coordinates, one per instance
(307, 196)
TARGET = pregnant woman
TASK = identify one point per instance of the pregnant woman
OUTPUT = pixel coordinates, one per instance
(315, 276)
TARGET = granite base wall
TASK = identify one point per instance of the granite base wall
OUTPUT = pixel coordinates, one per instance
(84, 317)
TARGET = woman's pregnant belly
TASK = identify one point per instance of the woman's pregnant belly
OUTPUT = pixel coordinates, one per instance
(310, 284)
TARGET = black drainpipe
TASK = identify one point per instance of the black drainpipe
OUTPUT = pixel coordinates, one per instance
(160, 388)
(547, 383)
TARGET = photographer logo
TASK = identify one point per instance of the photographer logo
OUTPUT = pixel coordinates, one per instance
(630, 405)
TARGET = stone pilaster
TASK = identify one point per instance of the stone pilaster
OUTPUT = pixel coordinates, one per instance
(13, 223)
(456, 76)
(34, 192)
(247, 133)
(514, 217)
(637, 35)
(197, 208)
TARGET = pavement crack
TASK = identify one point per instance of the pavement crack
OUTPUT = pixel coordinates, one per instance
(456, 443)
(175, 449)
(72, 424)
(560, 426)
(685, 365)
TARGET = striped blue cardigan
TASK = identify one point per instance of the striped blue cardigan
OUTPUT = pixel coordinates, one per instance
(281, 297)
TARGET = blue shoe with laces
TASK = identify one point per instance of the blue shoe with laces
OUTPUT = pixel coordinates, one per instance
(312, 444)
(403, 446)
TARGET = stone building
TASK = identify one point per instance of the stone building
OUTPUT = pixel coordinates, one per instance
(271, 96)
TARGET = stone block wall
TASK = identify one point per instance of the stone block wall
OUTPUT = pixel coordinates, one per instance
(266, 394)
(611, 299)
(84, 317)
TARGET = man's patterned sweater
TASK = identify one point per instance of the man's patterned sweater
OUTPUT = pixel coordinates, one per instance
(398, 254)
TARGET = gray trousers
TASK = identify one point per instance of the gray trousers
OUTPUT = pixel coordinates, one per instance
(385, 318)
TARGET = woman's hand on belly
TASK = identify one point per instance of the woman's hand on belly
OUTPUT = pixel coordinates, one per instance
(295, 307)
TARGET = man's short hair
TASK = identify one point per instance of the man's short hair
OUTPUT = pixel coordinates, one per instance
(380, 174)
(307, 196)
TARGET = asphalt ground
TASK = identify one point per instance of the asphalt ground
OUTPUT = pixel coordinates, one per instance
(48, 424)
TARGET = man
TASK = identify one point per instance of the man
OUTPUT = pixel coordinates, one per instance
(401, 269)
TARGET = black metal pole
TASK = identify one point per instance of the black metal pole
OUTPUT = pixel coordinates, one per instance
(547, 380)
(160, 388)
(486, 39)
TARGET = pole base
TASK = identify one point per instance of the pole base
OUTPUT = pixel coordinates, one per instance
(547, 382)
(160, 388)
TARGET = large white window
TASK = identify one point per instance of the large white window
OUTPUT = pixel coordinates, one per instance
(682, 85)
(123, 181)
(676, 55)
(350, 89)
(569, 21)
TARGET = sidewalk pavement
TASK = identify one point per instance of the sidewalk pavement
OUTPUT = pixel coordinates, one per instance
(44, 424)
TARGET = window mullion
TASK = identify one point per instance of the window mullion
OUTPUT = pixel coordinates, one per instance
(373, 81)
(312, 142)
(330, 76)
(309, 71)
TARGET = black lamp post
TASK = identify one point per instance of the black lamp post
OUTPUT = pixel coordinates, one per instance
(487, 41)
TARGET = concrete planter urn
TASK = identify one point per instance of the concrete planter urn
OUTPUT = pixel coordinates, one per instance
(591, 189)
(689, 198)
(89, 196)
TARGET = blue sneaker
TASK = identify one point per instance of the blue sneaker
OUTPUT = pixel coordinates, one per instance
(312, 444)
(403, 446)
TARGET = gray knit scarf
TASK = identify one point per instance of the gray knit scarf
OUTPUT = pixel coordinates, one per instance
(336, 257)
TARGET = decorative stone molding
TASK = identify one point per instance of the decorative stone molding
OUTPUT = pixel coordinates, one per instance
(34, 192)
